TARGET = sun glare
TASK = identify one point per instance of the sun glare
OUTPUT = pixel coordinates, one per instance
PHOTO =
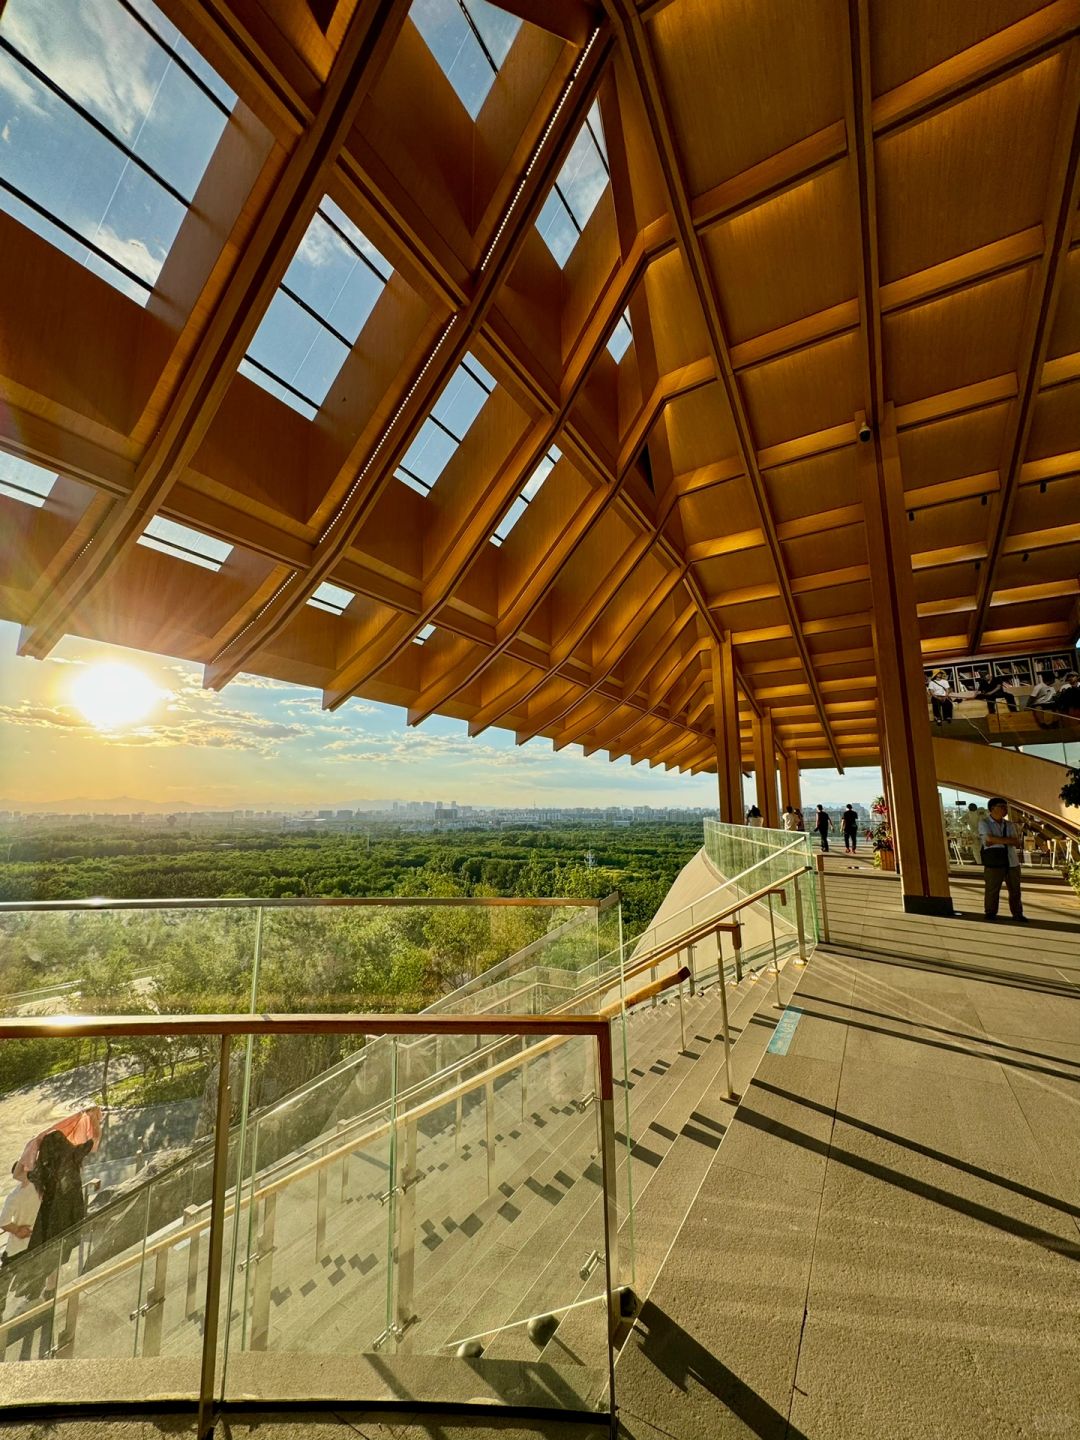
(112, 695)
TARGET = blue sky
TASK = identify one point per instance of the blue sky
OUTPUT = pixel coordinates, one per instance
(264, 743)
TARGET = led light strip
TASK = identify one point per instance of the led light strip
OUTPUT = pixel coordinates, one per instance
(536, 153)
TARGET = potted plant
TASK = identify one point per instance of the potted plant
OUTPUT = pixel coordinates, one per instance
(880, 835)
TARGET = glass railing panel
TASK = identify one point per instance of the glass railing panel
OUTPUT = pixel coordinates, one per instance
(312, 1227)
(123, 1275)
(502, 1234)
(130, 959)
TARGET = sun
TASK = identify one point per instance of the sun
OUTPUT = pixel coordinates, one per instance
(111, 695)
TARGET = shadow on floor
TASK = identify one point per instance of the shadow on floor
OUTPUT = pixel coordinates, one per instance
(917, 1148)
(1045, 1239)
(683, 1360)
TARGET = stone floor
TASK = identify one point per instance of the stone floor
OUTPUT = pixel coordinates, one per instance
(893, 1224)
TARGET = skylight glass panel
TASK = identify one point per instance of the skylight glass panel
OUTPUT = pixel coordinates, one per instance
(577, 190)
(470, 39)
(423, 635)
(621, 337)
(183, 543)
(20, 480)
(334, 598)
(106, 128)
(442, 432)
(313, 321)
(528, 495)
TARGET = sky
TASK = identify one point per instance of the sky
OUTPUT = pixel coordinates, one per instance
(263, 744)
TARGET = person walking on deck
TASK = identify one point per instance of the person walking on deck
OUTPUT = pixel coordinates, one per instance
(823, 825)
(1001, 853)
(849, 824)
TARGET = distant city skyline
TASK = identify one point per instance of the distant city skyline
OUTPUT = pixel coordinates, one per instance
(264, 744)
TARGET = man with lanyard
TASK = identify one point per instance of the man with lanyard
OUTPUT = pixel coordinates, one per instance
(1001, 843)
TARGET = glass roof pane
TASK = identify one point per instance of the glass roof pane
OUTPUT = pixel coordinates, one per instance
(426, 457)
(21, 480)
(470, 39)
(423, 634)
(529, 492)
(334, 598)
(329, 290)
(184, 543)
(106, 136)
(462, 399)
(497, 28)
(275, 387)
(581, 181)
(621, 337)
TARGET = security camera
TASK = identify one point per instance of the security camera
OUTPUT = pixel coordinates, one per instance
(865, 433)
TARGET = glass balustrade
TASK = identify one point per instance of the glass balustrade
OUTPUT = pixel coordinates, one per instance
(380, 1262)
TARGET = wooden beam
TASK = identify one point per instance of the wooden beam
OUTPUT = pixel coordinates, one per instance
(230, 328)
(638, 51)
(1063, 193)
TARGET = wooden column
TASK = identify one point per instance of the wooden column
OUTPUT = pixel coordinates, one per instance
(908, 750)
(726, 717)
(790, 783)
(765, 769)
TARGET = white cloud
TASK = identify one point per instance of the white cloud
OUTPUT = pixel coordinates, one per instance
(94, 52)
(133, 253)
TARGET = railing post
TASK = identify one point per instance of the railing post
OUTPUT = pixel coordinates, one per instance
(342, 1126)
(736, 940)
(606, 1107)
(726, 1031)
(320, 1213)
(800, 925)
(820, 863)
(263, 1261)
(489, 1132)
(691, 965)
(194, 1245)
(65, 1341)
(682, 1019)
(775, 956)
(215, 1247)
(154, 1306)
(524, 1083)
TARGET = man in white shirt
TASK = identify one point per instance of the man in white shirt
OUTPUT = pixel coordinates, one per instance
(998, 835)
(17, 1223)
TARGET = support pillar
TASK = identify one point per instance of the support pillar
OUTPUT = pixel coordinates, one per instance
(790, 783)
(765, 769)
(907, 749)
(726, 719)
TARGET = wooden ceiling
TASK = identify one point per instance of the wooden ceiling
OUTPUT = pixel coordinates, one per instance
(819, 210)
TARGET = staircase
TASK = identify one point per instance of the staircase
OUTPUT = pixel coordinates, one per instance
(467, 1222)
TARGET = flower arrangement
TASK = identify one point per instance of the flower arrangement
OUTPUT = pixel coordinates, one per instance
(880, 834)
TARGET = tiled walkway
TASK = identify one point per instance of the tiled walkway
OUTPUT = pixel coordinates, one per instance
(887, 1243)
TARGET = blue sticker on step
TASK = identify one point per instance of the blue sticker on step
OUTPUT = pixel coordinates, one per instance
(785, 1029)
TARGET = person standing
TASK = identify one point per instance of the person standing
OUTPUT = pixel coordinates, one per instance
(1001, 851)
(17, 1218)
(754, 816)
(937, 688)
(823, 825)
(787, 820)
(800, 820)
(849, 824)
